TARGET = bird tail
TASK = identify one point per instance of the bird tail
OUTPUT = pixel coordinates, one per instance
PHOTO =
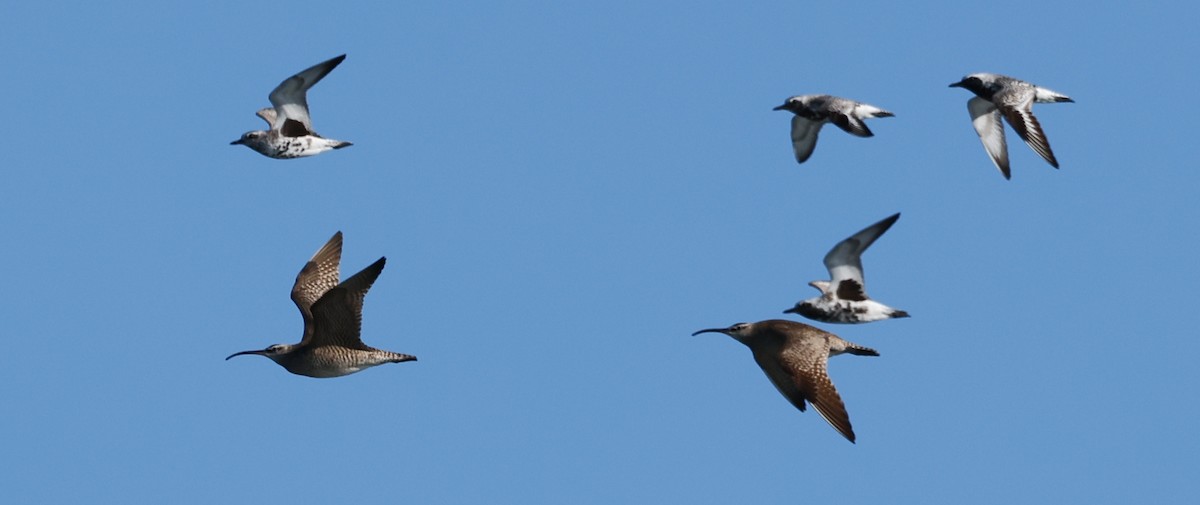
(873, 111)
(859, 350)
(395, 357)
(1044, 95)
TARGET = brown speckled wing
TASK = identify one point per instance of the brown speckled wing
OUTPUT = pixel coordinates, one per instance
(317, 277)
(798, 371)
(805, 362)
(337, 316)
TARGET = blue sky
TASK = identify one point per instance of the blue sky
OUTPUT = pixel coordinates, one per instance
(565, 191)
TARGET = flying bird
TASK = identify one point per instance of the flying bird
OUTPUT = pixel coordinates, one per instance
(844, 297)
(332, 345)
(291, 134)
(795, 357)
(813, 111)
(999, 95)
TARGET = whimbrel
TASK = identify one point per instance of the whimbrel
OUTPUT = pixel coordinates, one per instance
(813, 111)
(291, 134)
(331, 346)
(844, 298)
(1000, 95)
(795, 356)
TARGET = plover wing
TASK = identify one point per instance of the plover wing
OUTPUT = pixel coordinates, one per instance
(850, 115)
(985, 117)
(317, 277)
(268, 115)
(1016, 104)
(291, 102)
(804, 137)
(844, 261)
(850, 123)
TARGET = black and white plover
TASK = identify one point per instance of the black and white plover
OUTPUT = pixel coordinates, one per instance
(795, 357)
(999, 95)
(813, 111)
(844, 297)
(332, 311)
(291, 134)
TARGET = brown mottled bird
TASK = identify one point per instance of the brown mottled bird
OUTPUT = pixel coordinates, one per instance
(795, 356)
(331, 346)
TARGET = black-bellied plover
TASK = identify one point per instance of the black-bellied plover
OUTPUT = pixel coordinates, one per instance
(813, 111)
(795, 356)
(291, 134)
(999, 95)
(332, 345)
(844, 297)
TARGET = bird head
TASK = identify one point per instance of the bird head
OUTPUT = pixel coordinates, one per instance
(256, 140)
(274, 352)
(738, 331)
(981, 84)
(792, 104)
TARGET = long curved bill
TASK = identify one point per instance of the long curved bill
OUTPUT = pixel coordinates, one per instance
(260, 353)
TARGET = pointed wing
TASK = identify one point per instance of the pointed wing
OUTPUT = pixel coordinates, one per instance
(804, 137)
(844, 261)
(1019, 114)
(799, 372)
(986, 120)
(850, 124)
(268, 115)
(291, 102)
(337, 316)
(318, 276)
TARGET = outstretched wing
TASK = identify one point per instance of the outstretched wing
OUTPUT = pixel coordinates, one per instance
(291, 102)
(986, 120)
(268, 115)
(317, 277)
(844, 261)
(850, 124)
(337, 316)
(804, 137)
(1018, 110)
(799, 373)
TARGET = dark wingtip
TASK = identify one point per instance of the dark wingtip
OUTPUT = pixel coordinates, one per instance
(343, 144)
(900, 313)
